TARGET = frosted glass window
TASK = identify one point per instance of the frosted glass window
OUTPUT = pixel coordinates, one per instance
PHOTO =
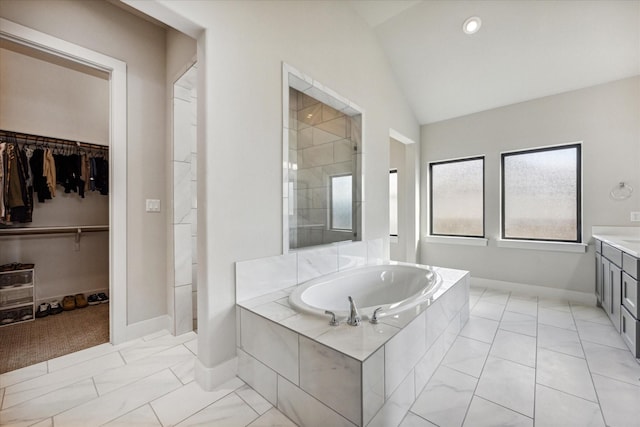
(393, 202)
(457, 197)
(341, 197)
(541, 194)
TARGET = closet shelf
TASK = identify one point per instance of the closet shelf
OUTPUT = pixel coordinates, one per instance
(75, 229)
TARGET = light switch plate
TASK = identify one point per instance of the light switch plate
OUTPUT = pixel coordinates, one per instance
(635, 216)
(153, 205)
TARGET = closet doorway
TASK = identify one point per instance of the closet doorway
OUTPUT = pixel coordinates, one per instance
(69, 241)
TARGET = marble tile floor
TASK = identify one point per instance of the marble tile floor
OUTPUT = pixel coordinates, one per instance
(525, 361)
(519, 361)
(145, 382)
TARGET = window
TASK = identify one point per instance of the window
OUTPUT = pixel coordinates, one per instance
(457, 197)
(393, 202)
(341, 195)
(541, 197)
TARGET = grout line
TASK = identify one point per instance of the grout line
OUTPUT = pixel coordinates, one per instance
(154, 412)
(485, 360)
(595, 390)
(505, 407)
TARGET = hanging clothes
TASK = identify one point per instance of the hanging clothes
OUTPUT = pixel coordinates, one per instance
(31, 168)
(49, 172)
(3, 168)
(40, 185)
(17, 194)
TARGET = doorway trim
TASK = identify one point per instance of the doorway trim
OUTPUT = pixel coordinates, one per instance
(409, 223)
(117, 156)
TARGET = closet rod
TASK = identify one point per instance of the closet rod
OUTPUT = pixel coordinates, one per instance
(76, 229)
(26, 137)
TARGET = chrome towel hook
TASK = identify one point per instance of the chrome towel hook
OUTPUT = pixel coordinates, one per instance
(622, 191)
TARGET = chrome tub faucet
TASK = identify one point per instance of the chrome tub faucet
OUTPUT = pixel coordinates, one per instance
(354, 317)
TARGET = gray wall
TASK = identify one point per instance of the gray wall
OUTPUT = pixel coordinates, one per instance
(108, 29)
(605, 117)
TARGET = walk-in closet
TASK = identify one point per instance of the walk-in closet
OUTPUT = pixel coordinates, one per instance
(54, 206)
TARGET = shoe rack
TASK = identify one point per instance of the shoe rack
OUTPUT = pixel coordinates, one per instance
(17, 296)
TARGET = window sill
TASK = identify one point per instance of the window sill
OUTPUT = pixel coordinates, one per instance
(452, 240)
(543, 246)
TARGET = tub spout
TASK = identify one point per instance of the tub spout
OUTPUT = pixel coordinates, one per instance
(354, 317)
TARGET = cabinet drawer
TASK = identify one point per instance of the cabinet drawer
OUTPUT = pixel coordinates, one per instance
(630, 265)
(598, 246)
(16, 315)
(612, 254)
(630, 294)
(15, 297)
(629, 331)
(12, 279)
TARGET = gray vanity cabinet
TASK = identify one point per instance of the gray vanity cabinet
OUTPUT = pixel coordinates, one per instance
(630, 325)
(617, 292)
(610, 278)
(599, 272)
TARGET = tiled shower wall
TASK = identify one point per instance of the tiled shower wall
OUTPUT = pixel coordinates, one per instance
(325, 143)
(184, 206)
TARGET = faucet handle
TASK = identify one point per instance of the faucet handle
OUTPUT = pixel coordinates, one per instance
(374, 318)
(333, 321)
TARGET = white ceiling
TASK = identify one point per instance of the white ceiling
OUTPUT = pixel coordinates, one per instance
(524, 50)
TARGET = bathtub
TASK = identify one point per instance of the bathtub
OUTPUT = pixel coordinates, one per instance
(394, 287)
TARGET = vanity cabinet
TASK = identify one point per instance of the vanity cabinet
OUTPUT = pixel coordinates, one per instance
(611, 282)
(599, 277)
(617, 291)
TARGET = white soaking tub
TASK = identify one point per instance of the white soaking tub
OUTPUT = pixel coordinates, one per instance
(393, 287)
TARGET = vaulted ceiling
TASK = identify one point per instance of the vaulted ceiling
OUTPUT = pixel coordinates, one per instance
(525, 49)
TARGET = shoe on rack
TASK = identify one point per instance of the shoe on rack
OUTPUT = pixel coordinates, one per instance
(81, 301)
(25, 314)
(103, 298)
(93, 299)
(8, 317)
(43, 310)
(55, 308)
(68, 303)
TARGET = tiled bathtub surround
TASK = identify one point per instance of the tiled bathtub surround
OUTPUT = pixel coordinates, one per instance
(265, 275)
(369, 375)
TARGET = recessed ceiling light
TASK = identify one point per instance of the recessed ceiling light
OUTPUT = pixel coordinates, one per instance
(471, 25)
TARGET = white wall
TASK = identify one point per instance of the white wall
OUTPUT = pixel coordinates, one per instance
(240, 142)
(46, 95)
(105, 28)
(605, 117)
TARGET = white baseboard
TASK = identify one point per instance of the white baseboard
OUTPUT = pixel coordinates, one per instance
(146, 327)
(210, 378)
(534, 290)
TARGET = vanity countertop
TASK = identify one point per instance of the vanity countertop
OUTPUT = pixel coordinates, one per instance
(626, 239)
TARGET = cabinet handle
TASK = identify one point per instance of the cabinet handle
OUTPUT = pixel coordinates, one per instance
(611, 290)
(624, 325)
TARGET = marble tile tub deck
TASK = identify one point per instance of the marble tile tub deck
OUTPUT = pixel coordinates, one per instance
(364, 376)
(149, 381)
